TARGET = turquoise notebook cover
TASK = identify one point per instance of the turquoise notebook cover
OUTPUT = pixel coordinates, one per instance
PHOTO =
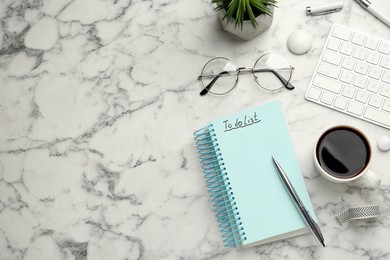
(247, 141)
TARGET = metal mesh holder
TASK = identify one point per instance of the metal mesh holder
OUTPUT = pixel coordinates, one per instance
(359, 212)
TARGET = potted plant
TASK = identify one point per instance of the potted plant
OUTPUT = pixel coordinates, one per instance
(245, 18)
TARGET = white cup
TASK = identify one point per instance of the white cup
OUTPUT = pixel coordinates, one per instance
(343, 154)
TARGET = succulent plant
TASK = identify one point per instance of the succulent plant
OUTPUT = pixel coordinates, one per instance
(242, 10)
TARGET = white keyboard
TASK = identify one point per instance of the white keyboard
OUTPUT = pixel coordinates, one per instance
(353, 75)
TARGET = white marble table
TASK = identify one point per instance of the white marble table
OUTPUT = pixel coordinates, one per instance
(98, 103)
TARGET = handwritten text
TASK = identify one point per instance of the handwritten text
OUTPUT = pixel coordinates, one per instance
(241, 122)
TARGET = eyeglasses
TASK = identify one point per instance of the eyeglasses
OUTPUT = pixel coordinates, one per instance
(219, 75)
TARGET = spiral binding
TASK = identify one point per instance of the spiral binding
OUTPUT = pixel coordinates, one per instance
(221, 192)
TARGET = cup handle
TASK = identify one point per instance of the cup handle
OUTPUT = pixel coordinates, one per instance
(370, 178)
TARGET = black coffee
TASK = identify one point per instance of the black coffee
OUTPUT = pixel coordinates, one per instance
(343, 152)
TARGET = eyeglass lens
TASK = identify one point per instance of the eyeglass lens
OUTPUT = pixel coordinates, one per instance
(221, 73)
(277, 72)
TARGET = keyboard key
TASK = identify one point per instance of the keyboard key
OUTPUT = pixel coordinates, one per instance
(377, 116)
(341, 103)
(375, 72)
(346, 48)
(373, 57)
(332, 57)
(314, 93)
(385, 62)
(386, 76)
(375, 101)
(386, 105)
(348, 63)
(348, 91)
(346, 76)
(371, 43)
(373, 86)
(384, 47)
(360, 53)
(328, 70)
(355, 108)
(362, 96)
(327, 84)
(361, 67)
(327, 98)
(385, 90)
(333, 44)
(358, 38)
(341, 33)
(360, 81)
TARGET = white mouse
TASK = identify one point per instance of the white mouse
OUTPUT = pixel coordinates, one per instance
(299, 42)
(384, 143)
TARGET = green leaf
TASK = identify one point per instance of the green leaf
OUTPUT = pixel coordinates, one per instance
(231, 10)
(240, 13)
(251, 15)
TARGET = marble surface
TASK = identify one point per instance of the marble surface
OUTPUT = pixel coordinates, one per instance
(98, 103)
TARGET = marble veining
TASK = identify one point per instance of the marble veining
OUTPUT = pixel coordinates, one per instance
(98, 103)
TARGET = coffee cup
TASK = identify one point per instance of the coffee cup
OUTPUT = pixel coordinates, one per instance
(343, 154)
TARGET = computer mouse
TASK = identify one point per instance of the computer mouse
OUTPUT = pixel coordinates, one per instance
(384, 143)
(299, 42)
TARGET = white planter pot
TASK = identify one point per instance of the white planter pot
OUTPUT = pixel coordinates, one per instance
(247, 32)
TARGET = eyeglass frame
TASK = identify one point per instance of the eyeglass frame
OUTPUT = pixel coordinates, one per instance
(243, 70)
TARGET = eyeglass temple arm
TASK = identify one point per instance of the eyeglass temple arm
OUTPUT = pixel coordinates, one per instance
(210, 85)
(285, 82)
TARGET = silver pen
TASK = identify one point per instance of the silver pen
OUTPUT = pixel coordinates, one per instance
(374, 10)
(315, 230)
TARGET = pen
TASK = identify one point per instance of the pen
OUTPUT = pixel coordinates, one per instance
(315, 230)
(366, 4)
(325, 9)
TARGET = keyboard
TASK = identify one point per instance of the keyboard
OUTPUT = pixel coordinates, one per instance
(353, 75)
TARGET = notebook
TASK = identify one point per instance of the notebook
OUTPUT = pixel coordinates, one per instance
(251, 204)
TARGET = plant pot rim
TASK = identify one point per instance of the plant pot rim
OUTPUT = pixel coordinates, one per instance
(247, 31)
(233, 20)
